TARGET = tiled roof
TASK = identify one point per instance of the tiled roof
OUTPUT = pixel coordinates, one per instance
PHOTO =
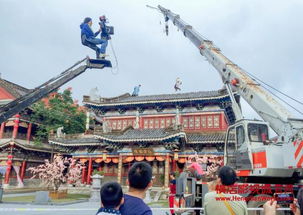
(141, 135)
(177, 97)
(146, 135)
(14, 89)
(193, 138)
(79, 141)
(27, 146)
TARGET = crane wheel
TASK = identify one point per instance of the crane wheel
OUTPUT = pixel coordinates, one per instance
(259, 204)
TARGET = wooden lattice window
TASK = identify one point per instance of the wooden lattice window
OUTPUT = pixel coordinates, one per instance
(209, 121)
(130, 122)
(162, 123)
(167, 122)
(197, 122)
(124, 124)
(114, 124)
(151, 123)
(203, 121)
(185, 122)
(191, 122)
(119, 124)
(145, 123)
(216, 121)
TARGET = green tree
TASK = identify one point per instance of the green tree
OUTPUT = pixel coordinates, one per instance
(57, 110)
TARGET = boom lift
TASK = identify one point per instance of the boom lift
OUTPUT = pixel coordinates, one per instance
(49, 86)
(248, 149)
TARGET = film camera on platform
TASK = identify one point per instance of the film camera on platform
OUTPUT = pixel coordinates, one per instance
(103, 21)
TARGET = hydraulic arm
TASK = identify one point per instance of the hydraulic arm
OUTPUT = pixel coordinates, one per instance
(49, 86)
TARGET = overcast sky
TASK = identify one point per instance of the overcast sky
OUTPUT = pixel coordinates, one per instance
(41, 38)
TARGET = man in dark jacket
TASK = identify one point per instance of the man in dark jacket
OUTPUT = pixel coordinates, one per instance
(88, 38)
(104, 33)
(139, 180)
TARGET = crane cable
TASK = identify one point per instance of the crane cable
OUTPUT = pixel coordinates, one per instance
(284, 94)
(262, 83)
(114, 69)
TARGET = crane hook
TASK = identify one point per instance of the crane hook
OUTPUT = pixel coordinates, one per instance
(166, 25)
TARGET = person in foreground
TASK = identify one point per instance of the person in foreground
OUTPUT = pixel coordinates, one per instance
(139, 180)
(111, 199)
(172, 191)
(270, 207)
(224, 203)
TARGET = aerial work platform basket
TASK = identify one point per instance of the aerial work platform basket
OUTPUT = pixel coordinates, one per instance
(98, 63)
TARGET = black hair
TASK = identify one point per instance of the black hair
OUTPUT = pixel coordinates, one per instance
(139, 175)
(111, 195)
(87, 20)
(173, 174)
(227, 175)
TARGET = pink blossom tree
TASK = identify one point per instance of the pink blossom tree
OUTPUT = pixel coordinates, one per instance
(60, 171)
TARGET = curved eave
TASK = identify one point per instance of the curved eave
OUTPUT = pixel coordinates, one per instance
(205, 141)
(25, 147)
(180, 134)
(74, 144)
(154, 101)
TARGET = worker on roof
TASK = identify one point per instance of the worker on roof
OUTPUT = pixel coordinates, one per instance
(136, 90)
(88, 38)
(178, 85)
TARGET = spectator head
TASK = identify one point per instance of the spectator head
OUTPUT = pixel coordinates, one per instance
(227, 175)
(88, 21)
(140, 176)
(111, 195)
(172, 175)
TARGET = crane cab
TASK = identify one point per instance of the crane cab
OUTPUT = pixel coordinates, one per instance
(241, 142)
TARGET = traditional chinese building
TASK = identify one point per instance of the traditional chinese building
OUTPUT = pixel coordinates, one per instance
(160, 129)
(17, 148)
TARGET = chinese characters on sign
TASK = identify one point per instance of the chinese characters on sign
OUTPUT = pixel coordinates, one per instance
(142, 152)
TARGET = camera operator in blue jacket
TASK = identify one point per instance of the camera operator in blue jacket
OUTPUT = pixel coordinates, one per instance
(88, 38)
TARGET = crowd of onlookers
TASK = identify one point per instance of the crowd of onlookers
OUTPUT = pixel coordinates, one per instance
(113, 201)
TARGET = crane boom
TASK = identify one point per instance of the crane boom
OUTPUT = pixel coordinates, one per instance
(269, 109)
(49, 86)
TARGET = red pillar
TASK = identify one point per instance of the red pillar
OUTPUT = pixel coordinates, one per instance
(89, 171)
(22, 171)
(2, 129)
(8, 168)
(29, 131)
(83, 175)
(16, 126)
